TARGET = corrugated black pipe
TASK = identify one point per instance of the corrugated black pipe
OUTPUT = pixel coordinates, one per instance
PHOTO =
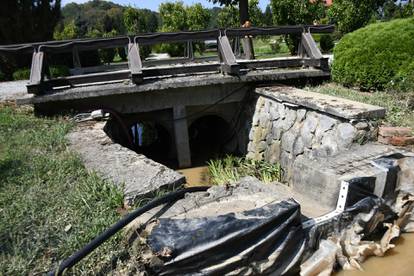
(79, 255)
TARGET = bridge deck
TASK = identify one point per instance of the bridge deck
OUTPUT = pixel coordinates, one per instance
(121, 87)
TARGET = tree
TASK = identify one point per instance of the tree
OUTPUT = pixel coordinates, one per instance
(349, 15)
(25, 21)
(243, 8)
(178, 17)
(229, 15)
(295, 12)
(268, 16)
(140, 21)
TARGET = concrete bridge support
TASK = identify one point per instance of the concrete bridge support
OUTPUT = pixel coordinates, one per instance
(181, 136)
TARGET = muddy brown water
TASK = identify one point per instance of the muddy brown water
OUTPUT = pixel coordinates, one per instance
(197, 176)
(398, 261)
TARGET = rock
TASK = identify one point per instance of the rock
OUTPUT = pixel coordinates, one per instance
(251, 147)
(274, 113)
(300, 115)
(261, 146)
(263, 119)
(329, 144)
(289, 120)
(298, 146)
(361, 125)
(345, 133)
(395, 131)
(274, 152)
(276, 130)
(288, 139)
(255, 120)
(310, 123)
(325, 123)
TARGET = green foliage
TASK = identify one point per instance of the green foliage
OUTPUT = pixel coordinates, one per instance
(27, 21)
(371, 57)
(230, 169)
(69, 31)
(21, 74)
(391, 10)
(350, 15)
(178, 17)
(140, 21)
(404, 79)
(288, 12)
(228, 17)
(2, 76)
(59, 71)
(50, 205)
(326, 43)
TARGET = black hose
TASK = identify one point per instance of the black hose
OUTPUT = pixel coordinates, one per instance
(79, 255)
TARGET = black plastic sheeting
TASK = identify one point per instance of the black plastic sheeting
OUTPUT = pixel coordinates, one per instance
(228, 243)
(264, 241)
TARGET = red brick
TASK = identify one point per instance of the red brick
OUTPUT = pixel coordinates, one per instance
(394, 131)
(402, 141)
(384, 140)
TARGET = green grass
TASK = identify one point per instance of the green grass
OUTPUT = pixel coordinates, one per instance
(50, 206)
(400, 106)
(230, 169)
(263, 49)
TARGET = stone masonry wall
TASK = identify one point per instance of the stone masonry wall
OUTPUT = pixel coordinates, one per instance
(280, 132)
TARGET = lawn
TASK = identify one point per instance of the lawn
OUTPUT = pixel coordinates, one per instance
(50, 205)
(399, 105)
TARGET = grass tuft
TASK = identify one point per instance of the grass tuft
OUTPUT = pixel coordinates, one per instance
(400, 106)
(50, 206)
(231, 168)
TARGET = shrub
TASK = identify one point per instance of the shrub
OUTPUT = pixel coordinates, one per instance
(404, 79)
(59, 71)
(327, 43)
(2, 76)
(55, 71)
(372, 57)
(21, 74)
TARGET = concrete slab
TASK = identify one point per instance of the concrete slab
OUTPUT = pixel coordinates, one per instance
(336, 106)
(170, 82)
(135, 173)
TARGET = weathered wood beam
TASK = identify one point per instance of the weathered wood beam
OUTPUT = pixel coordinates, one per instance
(228, 60)
(134, 63)
(310, 47)
(36, 73)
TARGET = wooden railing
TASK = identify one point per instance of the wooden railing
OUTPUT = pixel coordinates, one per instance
(137, 70)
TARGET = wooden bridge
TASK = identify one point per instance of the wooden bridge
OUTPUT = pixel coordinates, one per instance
(229, 61)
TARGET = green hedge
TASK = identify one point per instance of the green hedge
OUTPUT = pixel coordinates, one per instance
(55, 71)
(372, 57)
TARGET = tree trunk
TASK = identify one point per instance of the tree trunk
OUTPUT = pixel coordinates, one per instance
(244, 11)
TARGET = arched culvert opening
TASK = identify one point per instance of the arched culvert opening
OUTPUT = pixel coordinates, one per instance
(152, 140)
(208, 136)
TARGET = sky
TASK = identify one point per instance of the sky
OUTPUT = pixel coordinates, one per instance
(153, 4)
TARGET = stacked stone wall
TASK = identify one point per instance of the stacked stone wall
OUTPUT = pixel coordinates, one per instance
(280, 132)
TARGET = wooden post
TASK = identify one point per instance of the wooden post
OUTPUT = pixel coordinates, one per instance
(134, 63)
(229, 64)
(36, 73)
